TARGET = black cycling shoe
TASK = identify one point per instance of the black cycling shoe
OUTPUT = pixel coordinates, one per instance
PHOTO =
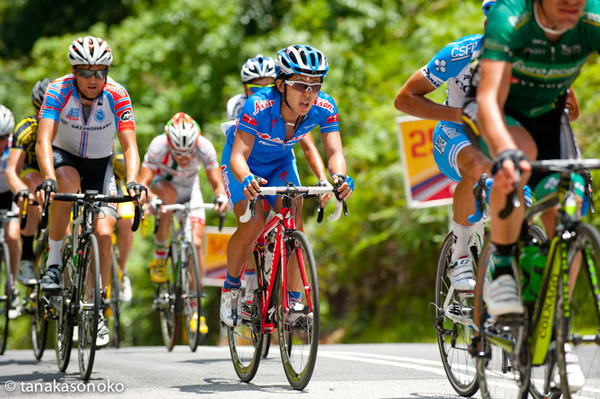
(50, 282)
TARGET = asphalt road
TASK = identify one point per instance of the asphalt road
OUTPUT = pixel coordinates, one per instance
(403, 371)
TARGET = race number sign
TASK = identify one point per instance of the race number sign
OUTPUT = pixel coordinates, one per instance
(424, 184)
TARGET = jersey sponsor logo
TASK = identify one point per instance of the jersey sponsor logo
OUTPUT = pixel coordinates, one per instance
(91, 128)
(63, 85)
(117, 90)
(320, 102)
(225, 180)
(440, 144)
(262, 105)
(593, 19)
(265, 136)
(126, 116)
(333, 118)
(283, 175)
(534, 51)
(99, 115)
(570, 50)
(545, 72)
(450, 132)
(440, 66)
(73, 114)
(250, 120)
(58, 158)
(462, 52)
(427, 74)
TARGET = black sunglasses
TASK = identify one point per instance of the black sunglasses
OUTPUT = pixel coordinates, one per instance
(88, 73)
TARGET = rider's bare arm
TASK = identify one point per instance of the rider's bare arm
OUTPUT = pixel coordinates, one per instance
(313, 158)
(16, 159)
(47, 129)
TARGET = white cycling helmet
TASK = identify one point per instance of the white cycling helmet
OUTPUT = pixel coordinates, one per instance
(7, 121)
(258, 67)
(182, 132)
(90, 50)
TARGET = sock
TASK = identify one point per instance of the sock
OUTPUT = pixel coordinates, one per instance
(462, 234)
(160, 249)
(27, 244)
(232, 282)
(54, 252)
(294, 296)
(503, 257)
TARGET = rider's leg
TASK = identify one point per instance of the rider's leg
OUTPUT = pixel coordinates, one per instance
(197, 234)
(103, 230)
(14, 246)
(167, 193)
(124, 240)
(26, 267)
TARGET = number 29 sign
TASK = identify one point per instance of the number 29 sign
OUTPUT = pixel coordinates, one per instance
(424, 184)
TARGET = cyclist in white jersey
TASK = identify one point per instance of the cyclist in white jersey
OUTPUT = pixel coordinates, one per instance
(79, 117)
(170, 169)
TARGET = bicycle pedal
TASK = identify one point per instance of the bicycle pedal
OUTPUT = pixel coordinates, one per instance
(510, 320)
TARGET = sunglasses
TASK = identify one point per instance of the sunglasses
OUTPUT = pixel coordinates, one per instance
(88, 73)
(302, 87)
(255, 88)
(181, 153)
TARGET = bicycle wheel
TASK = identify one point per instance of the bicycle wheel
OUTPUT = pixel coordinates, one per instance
(453, 313)
(167, 298)
(192, 296)
(266, 345)
(6, 296)
(298, 327)
(494, 370)
(113, 291)
(578, 332)
(39, 323)
(62, 313)
(89, 305)
(246, 341)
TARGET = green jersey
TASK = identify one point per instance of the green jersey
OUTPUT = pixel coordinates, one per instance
(541, 71)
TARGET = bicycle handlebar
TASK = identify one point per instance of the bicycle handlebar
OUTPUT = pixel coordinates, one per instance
(296, 190)
(94, 196)
(162, 208)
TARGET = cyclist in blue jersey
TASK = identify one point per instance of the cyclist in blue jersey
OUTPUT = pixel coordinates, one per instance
(260, 144)
(452, 151)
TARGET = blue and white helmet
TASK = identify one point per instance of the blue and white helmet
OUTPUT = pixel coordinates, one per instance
(257, 68)
(7, 121)
(302, 60)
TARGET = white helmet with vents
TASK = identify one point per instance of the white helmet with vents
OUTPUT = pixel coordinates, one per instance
(7, 121)
(258, 67)
(182, 132)
(90, 50)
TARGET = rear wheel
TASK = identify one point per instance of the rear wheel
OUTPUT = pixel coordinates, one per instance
(6, 296)
(89, 306)
(192, 296)
(578, 331)
(39, 323)
(166, 303)
(298, 325)
(453, 332)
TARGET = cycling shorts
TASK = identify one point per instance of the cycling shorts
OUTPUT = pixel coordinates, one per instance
(185, 193)
(96, 174)
(449, 139)
(277, 172)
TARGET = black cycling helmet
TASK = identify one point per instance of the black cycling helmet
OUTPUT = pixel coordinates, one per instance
(38, 92)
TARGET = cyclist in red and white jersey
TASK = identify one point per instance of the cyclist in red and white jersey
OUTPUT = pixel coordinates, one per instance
(80, 115)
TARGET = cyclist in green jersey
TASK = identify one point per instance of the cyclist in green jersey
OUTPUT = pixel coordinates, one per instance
(533, 51)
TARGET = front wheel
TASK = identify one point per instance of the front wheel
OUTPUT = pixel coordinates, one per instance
(578, 329)
(192, 296)
(298, 322)
(39, 323)
(6, 295)
(89, 305)
(166, 305)
(453, 312)
(62, 312)
(114, 305)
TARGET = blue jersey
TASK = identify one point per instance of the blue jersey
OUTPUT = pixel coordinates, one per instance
(261, 117)
(455, 64)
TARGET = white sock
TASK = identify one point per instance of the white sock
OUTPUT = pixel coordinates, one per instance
(251, 281)
(462, 233)
(54, 252)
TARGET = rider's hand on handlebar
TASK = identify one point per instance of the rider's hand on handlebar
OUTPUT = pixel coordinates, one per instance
(503, 169)
(137, 190)
(251, 185)
(47, 186)
(344, 186)
(221, 203)
(324, 197)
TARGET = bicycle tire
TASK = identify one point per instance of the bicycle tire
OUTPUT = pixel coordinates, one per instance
(192, 305)
(488, 358)
(6, 296)
(114, 286)
(167, 297)
(39, 322)
(63, 342)
(89, 299)
(299, 339)
(246, 340)
(266, 345)
(453, 338)
(580, 329)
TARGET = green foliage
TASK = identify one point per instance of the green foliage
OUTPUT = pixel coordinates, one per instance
(376, 267)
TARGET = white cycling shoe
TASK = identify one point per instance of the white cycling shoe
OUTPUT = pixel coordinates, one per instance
(501, 297)
(574, 373)
(231, 305)
(461, 275)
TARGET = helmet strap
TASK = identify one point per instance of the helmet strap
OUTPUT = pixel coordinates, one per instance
(284, 98)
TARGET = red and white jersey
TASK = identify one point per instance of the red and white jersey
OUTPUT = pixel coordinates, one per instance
(159, 159)
(110, 113)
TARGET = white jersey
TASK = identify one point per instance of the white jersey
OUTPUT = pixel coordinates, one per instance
(235, 105)
(159, 159)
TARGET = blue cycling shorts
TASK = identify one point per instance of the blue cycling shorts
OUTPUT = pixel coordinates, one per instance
(448, 140)
(277, 172)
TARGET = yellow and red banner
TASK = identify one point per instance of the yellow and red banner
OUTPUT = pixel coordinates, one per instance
(214, 248)
(424, 184)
